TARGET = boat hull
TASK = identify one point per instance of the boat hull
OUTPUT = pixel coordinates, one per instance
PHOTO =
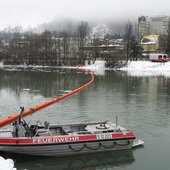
(71, 148)
(69, 139)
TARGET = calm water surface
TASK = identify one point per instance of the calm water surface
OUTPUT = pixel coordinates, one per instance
(141, 104)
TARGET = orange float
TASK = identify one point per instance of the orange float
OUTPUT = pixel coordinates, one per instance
(12, 118)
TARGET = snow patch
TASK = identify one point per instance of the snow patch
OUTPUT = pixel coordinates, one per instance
(147, 68)
(97, 67)
(1, 64)
(6, 164)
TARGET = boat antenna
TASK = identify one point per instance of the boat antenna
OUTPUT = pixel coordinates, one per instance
(20, 115)
(116, 121)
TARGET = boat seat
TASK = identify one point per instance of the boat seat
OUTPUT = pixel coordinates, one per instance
(44, 131)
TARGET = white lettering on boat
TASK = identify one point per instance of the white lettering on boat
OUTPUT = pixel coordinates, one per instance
(56, 140)
(104, 136)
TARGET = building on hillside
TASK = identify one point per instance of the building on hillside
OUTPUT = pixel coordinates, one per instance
(150, 43)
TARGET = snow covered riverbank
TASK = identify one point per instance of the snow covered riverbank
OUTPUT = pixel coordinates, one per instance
(147, 68)
(147, 65)
(135, 68)
(6, 164)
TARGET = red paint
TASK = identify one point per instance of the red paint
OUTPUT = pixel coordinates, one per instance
(122, 135)
(61, 139)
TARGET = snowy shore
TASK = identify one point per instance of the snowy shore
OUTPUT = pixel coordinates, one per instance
(136, 68)
(6, 164)
(133, 68)
(147, 68)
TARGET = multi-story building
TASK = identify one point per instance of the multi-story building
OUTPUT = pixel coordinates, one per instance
(152, 26)
(143, 26)
(149, 30)
(158, 25)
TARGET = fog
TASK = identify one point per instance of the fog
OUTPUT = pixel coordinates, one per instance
(32, 13)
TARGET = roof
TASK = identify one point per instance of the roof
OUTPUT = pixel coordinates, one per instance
(149, 39)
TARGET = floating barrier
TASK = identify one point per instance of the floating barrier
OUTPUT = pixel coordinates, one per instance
(12, 118)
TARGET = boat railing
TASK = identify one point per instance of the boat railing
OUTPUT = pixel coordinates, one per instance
(45, 130)
(79, 133)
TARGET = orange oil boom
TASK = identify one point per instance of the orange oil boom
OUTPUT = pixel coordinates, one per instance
(12, 118)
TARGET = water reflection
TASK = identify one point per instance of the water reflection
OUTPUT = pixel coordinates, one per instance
(29, 88)
(17, 81)
(114, 93)
(91, 161)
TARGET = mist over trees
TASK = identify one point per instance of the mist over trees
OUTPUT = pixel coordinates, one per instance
(60, 43)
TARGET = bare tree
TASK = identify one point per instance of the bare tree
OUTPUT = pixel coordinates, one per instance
(83, 29)
(128, 38)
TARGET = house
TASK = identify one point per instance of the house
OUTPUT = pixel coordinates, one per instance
(150, 43)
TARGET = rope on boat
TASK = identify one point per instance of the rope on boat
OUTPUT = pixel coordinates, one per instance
(77, 150)
(107, 147)
(12, 118)
(128, 143)
(100, 145)
(93, 148)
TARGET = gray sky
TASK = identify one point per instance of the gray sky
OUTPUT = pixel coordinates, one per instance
(34, 12)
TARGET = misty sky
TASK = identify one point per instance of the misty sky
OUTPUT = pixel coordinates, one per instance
(34, 12)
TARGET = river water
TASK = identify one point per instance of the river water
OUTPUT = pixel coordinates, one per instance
(140, 103)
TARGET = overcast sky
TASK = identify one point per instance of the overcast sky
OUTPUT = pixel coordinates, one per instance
(34, 12)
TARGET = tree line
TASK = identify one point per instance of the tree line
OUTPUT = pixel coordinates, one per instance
(63, 47)
(46, 48)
